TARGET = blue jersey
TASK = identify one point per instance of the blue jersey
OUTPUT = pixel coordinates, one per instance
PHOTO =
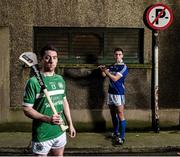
(117, 87)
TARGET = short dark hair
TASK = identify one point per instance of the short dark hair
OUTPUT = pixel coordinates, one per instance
(47, 47)
(118, 49)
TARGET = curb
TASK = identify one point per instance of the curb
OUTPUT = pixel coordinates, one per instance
(96, 151)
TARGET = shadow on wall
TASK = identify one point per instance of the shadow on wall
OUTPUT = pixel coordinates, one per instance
(169, 93)
(92, 80)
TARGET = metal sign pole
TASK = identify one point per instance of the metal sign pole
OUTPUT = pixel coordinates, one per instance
(158, 17)
(156, 84)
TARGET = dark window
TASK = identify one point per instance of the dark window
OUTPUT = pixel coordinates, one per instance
(91, 45)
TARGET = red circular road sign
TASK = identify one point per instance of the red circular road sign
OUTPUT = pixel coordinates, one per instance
(159, 16)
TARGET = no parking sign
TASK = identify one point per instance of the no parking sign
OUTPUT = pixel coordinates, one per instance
(159, 16)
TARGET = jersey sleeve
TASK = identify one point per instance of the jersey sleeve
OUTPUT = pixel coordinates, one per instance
(64, 96)
(124, 71)
(29, 94)
(62, 86)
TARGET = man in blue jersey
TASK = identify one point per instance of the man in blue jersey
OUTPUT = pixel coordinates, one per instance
(116, 94)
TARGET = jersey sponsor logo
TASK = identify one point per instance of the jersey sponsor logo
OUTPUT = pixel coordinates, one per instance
(59, 102)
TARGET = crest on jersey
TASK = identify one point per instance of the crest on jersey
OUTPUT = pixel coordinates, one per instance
(60, 85)
(39, 147)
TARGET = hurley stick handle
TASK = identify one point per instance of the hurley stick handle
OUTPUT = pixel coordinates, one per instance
(63, 127)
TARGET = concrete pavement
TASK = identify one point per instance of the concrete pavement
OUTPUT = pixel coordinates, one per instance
(90, 143)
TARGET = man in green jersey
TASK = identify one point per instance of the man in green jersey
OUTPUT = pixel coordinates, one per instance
(47, 136)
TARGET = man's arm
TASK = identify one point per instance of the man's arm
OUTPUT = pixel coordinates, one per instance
(68, 117)
(111, 76)
(105, 72)
(102, 67)
(30, 112)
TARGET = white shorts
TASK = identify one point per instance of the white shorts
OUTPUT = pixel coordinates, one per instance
(44, 147)
(116, 100)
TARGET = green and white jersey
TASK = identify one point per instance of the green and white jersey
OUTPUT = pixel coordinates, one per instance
(34, 96)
